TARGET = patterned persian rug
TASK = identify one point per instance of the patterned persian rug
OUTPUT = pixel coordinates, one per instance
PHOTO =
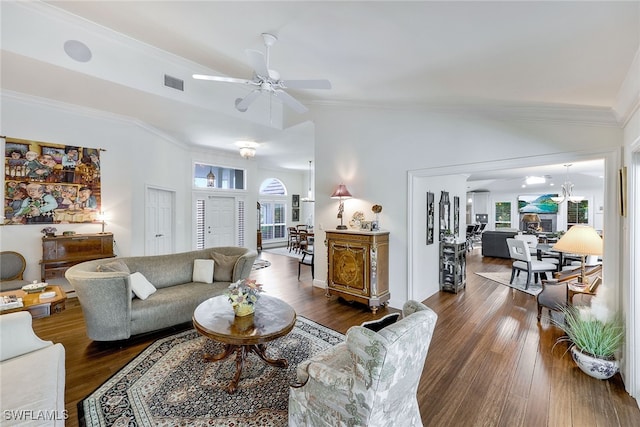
(169, 383)
(518, 283)
(260, 263)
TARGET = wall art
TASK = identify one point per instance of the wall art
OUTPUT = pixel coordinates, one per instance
(50, 183)
(430, 217)
(456, 215)
(445, 214)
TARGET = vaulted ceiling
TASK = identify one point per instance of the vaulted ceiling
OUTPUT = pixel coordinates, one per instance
(572, 55)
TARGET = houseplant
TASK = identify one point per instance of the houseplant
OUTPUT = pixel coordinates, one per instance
(595, 340)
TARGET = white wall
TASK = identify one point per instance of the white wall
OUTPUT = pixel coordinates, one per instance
(371, 150)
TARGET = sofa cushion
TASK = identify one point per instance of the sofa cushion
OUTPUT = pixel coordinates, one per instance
(224, 264)
(141, 286)
(114, 266)
(203, 270)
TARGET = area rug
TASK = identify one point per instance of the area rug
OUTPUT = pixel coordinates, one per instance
(260, 264)
(169, 383)
(503, 277)
(283, 251)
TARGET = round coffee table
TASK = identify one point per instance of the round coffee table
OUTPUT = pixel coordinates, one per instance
(272, 319)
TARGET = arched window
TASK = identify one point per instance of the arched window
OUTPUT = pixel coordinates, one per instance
(273, 210)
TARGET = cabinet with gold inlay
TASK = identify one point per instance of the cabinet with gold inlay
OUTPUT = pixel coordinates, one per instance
(358, 267)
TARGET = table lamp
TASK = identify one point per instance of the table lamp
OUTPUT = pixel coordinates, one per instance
(581, 240)
(341, 193)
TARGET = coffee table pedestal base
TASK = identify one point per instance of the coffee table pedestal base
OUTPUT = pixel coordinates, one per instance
(242, 351)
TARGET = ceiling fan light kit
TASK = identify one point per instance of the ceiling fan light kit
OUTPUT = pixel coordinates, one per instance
(267, 81)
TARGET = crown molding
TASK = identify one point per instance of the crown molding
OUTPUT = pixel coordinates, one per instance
(553, 113)
(88, 113)
(628, 99)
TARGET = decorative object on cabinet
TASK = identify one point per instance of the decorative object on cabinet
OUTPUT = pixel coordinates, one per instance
(430, 217)
(341, 193)
(453, 263)
(445, 213)
(358, 266)
(376, 209)
(62, 183)
(356, 220)
(61, 252)
(456, 215)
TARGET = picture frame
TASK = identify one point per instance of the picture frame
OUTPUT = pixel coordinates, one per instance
(456, 215)
(295, 201)
(365, 225)
(445, 214)
(430, 217)
(295, 215)
(375, 226)
(622, 191)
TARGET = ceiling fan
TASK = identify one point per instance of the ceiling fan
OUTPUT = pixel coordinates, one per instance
(268, 81)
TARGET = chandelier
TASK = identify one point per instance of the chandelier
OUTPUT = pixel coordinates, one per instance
(567, 189)
(309, 197)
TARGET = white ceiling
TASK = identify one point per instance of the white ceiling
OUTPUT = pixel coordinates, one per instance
(560, 54)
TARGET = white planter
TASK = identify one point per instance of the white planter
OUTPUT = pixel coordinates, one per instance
(592, 366)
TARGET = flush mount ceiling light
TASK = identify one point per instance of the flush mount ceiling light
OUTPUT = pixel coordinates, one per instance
(567, 189)
(247, 148)
(77, 50)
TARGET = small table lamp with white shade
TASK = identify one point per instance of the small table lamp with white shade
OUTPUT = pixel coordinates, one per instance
(581, 240)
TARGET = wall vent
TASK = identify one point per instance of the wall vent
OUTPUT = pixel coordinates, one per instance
(173, 82)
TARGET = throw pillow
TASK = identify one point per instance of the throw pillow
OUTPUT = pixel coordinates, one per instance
(113, 266)
(223, 271)
(377, 325)
(141, 286)
(203, 270)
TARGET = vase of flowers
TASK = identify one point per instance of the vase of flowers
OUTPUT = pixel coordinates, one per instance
(243, 296)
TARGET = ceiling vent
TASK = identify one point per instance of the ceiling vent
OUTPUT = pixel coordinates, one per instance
(173, 82)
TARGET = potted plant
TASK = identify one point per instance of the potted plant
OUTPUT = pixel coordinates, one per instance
(595, 341)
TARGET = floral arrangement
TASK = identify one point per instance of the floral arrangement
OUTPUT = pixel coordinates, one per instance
(244, 291)
(48, 230)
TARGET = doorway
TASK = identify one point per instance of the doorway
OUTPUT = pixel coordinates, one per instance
(159, 221)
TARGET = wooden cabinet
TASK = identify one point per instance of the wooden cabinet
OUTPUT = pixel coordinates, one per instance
(453, 261)
(359, 266)
(61, 252)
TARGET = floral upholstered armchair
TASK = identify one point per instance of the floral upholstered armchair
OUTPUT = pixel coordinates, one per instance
(369, 380)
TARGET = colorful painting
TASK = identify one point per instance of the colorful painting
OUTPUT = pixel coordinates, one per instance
(50, 183)
(540, 204)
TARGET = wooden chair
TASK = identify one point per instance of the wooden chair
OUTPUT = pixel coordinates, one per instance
(306, 261)
(303, 241)
(520, 253)
(555, 292)
(292, 238)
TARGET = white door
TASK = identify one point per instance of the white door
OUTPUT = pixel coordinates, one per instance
(220, 222)
(159, 222)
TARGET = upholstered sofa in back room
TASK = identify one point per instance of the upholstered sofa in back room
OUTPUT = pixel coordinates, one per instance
(132, 295)
(494, 243)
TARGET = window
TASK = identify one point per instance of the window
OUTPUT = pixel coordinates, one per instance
(503, 215)
(577, 213)
(273, 210)
(222, 178)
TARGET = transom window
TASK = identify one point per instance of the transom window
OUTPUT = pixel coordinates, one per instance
(218, 177)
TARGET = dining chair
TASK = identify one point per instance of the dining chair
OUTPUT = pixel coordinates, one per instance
(292, 239)
(307, 259)
(303, 241)
(520, 253)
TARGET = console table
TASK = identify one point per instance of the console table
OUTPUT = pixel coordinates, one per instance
(61, 252)
(359, 266)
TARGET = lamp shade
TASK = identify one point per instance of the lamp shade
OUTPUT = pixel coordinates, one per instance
(531, 218)
(581, 240)
(341, 192)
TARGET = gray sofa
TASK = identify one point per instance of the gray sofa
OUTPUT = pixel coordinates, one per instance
(112, 313)
(494, 243)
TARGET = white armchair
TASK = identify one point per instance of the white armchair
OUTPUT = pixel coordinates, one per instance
(369, 380)
(33, 375)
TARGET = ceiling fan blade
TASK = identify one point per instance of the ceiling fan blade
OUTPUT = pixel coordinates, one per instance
(290, 101)
(222, 79)
(305, 84)
(243, 103)
(258, 62)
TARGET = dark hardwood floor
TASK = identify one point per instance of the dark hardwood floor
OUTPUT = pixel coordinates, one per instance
(490, 362)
